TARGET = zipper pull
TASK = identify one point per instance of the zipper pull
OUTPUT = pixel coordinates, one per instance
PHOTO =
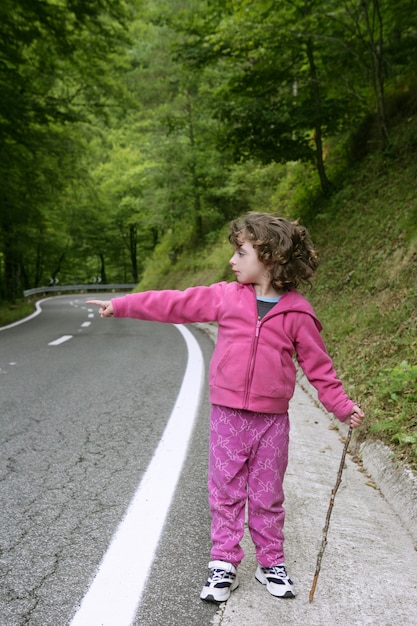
(258, 325)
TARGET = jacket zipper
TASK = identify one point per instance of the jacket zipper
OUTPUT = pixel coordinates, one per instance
(252, 362)
(252, 356)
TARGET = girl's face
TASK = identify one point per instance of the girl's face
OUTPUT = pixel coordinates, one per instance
(246, 265)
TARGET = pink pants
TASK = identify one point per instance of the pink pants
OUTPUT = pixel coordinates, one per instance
(247, 462)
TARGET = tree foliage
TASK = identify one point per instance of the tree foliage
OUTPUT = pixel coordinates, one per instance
(57, 69)
(297, 71)
(124, 122)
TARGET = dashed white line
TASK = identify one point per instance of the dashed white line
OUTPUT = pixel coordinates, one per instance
(85, 324)
(116, 591)
(60, 340)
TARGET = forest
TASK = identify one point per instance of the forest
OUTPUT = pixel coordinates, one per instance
(133, 131)
(127, 125)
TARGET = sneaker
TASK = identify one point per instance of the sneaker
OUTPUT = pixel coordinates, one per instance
(276, 580)
(221, 582)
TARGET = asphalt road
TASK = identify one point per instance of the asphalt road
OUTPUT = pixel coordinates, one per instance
(80, 423)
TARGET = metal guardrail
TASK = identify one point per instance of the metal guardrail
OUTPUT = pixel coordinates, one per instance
(93, 287)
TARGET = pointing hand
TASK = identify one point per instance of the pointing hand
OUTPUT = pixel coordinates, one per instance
(106, 307)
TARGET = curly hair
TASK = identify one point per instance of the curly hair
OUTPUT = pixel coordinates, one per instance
(284, 247)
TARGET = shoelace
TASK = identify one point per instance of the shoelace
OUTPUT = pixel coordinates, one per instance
(220, 574)
(278, 570)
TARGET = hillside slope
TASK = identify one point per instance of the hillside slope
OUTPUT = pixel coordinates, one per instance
(365, 291)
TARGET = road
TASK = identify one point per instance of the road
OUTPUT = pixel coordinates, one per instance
(81, 424)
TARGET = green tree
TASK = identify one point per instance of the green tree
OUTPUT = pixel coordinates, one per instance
(174, 137)
(292, 73)
(376, 44)
(54, 62)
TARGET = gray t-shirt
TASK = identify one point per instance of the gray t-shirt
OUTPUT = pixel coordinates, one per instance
(265, 305)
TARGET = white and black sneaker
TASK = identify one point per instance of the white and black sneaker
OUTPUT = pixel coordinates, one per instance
(221, 582)
(276, 580)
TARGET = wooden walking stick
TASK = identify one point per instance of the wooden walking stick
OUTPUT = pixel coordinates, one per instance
(329, 512)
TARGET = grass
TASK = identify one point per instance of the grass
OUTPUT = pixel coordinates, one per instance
(10, 313)
(366, 295)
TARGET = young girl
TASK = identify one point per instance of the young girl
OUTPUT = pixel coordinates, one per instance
(262, 323)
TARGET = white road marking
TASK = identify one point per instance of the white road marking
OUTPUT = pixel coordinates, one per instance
(29, 317)
(91, 315)
(60, 340)
(85, 324)
(116, 591)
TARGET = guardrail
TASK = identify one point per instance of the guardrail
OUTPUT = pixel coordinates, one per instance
(93, 287)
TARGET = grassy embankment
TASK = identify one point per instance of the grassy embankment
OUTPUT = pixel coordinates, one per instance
(365, 292)
(11, 313)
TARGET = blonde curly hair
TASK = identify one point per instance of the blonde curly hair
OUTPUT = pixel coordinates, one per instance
(284, 247)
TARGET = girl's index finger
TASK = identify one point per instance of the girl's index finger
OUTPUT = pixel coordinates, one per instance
(97, 302)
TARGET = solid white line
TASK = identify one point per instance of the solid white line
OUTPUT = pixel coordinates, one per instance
(29, 317)
(57, 342)
(116, 591)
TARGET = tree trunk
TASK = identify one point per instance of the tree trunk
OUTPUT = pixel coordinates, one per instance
(196, 193)
(57, 269)
(133, 252)
(103, 269)
(318, 130)
(38, 265)
(375, 41)
(11, 268)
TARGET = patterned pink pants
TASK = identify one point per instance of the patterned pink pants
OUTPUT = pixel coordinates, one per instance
(247, 463)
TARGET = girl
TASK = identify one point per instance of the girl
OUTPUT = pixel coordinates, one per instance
(262, 323)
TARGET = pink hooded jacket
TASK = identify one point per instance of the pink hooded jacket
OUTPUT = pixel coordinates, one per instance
(252, 365)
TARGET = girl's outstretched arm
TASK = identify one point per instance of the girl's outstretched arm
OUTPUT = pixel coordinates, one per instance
(106, 307)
